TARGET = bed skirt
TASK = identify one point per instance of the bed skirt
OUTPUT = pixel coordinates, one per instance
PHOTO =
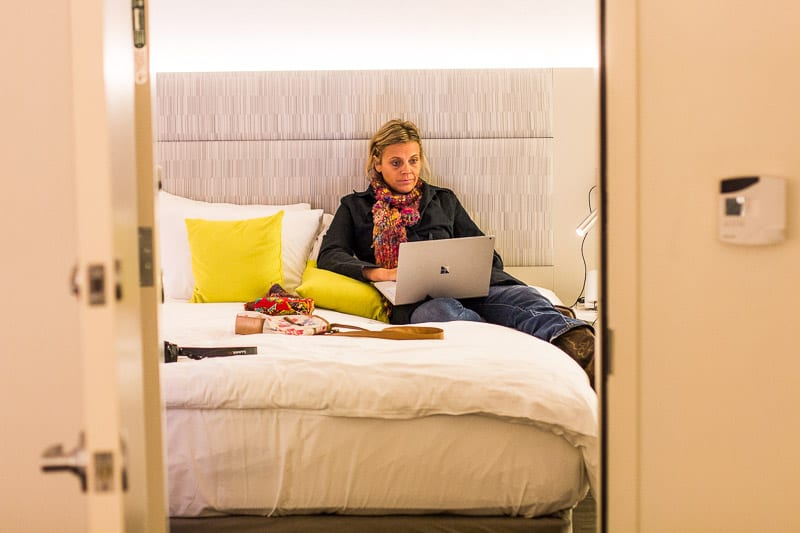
(560, 523)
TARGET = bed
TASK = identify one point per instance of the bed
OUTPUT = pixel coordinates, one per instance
(487, 429)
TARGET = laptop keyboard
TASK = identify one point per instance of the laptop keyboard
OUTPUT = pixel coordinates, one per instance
(390, 291)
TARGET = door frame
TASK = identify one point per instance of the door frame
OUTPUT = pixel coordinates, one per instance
(620, 250)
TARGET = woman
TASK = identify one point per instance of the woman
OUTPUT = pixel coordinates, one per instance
(399, 205)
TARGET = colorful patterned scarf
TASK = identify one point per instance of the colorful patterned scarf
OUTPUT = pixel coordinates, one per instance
(391, 214)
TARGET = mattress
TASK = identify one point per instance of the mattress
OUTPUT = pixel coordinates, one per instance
(488, 421)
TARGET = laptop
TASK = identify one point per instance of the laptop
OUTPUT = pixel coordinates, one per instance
(455, 268)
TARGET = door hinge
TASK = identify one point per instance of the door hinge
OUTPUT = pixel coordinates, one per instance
(139, 36)
(141, 61)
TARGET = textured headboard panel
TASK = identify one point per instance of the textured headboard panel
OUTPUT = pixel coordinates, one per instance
(281, 137)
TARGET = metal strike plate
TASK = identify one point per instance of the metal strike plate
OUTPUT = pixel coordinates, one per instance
(146, 277)
(96, 275)
(103, 471)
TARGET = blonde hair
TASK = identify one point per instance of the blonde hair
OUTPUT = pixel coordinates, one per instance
(395, 132)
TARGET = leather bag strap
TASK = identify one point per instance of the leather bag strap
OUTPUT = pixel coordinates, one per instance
(392, 332)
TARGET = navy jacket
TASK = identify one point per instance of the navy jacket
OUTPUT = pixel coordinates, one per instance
(347, 246)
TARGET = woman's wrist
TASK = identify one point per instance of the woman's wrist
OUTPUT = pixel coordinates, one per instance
(379, 274)
(370, 273)
(367, 273)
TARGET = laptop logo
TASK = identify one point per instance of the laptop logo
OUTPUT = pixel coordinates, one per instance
(444, 269)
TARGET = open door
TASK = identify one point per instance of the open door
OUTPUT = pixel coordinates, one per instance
(119, 451)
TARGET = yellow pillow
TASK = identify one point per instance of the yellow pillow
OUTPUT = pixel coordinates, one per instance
(235, 260)
(341, 293)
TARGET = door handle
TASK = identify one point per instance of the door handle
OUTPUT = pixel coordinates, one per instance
(54, 459)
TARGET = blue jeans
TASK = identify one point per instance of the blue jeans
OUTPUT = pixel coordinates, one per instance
(515, 306)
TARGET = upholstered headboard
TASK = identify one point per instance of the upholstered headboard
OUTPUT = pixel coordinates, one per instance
(285, 137)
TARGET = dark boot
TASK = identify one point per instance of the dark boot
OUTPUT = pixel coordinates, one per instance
(578, 343)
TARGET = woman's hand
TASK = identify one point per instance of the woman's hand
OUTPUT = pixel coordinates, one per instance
(380, 274)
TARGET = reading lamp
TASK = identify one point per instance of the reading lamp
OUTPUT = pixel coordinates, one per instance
(590, 282)
(587, 223)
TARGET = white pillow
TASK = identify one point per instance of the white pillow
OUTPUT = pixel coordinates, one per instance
(300, 226)
(550, 295)
(297, 237)
(323, 229)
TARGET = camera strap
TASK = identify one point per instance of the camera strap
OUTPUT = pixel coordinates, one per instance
(172, 351)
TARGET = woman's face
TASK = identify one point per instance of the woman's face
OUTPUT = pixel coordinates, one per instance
(400, 165)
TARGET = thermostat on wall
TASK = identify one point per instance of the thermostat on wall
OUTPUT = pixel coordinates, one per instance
(752, 210)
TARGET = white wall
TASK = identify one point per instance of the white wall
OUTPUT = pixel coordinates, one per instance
(700, 92)
(205, 35)
(575, 170)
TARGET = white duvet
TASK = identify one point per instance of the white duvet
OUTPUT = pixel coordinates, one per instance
(478, 369)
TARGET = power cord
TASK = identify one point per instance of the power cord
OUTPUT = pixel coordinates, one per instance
(583, 255)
